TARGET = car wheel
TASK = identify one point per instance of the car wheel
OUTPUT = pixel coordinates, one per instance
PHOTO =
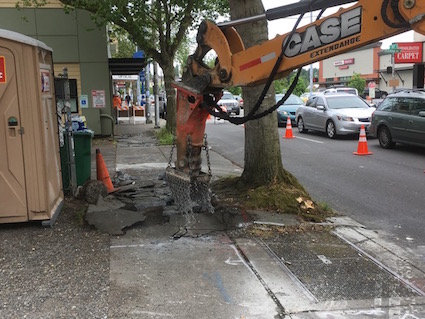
(330, 129)
(300, 125)
(238, 112)
(385, 139)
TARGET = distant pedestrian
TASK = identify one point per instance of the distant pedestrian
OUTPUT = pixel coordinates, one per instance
(128, 99)
(116, 101)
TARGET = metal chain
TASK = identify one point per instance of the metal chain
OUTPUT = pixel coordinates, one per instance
(207, 154)
(172, 151)
(189, 148)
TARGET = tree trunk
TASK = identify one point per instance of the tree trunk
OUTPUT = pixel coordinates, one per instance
(263, 164)
(171, 97)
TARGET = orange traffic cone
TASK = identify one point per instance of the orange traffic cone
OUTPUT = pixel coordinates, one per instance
(362, 147)
(288, 131)
(102, 172)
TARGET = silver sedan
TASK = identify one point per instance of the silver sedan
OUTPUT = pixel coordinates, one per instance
(335, 114)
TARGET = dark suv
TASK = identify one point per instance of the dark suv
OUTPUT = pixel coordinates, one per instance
(400, 118)
(379, 94)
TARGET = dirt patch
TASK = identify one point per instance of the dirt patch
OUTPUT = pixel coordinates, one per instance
(278, 198)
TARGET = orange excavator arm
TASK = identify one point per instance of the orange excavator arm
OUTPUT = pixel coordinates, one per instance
(362, 23)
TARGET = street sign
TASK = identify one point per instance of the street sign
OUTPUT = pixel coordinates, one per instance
(98, 97)
(393, 49)
(394, 82)
(84, 101)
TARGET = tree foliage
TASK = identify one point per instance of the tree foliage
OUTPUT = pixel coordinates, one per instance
(280, 85)
(125, 47)
(300, 87)
(357, 82)
(283, 84)
(183, 51)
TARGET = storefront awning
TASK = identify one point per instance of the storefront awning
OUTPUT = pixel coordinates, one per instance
(126, 66)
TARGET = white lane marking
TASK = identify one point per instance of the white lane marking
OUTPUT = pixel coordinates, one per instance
(309, 139)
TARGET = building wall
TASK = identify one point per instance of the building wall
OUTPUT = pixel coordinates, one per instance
(363, 64)
(338, 69)
(403, 72)
(77, 44)
(371, 63)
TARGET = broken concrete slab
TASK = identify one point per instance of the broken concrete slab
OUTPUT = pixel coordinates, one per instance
(149, 202)
(105, 203)
(114, 221)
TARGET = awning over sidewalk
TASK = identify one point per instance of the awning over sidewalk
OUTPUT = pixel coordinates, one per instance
(126, 66)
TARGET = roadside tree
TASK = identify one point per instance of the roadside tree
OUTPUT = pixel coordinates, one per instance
(263, 163)
(357, 82)
(157, 27)
(300, 87)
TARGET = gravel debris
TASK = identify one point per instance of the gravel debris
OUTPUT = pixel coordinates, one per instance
(55, 272)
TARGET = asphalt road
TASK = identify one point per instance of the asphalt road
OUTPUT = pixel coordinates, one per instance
(383, 191)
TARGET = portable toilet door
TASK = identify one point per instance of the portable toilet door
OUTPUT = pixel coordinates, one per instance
(30, 177)
(12, 176)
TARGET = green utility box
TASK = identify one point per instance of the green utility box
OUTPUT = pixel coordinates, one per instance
(82, 148)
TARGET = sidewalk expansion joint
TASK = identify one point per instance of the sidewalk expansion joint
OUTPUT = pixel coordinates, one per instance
(281, 308)
(382, 266)
(287, 271)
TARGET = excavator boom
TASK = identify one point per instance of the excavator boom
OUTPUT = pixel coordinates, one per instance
(362, 23)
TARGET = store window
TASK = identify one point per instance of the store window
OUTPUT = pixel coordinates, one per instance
(345, 78)
(60, 93)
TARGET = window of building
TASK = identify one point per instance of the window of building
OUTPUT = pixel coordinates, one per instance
(345, 78)
(73, 94)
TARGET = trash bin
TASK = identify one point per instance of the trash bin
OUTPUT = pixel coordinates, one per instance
(82, 148)
(64, 155)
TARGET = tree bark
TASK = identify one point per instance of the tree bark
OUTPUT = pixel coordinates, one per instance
(171, 97)
(263, 164)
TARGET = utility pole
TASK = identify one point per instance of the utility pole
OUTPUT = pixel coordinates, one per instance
(155, 92)
(148, 100)
(311, 65)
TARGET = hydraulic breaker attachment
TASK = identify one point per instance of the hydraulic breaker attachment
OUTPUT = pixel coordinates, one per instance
(189, 185)
(190, 130)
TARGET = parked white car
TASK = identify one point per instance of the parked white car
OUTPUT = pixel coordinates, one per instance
(230, 103)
